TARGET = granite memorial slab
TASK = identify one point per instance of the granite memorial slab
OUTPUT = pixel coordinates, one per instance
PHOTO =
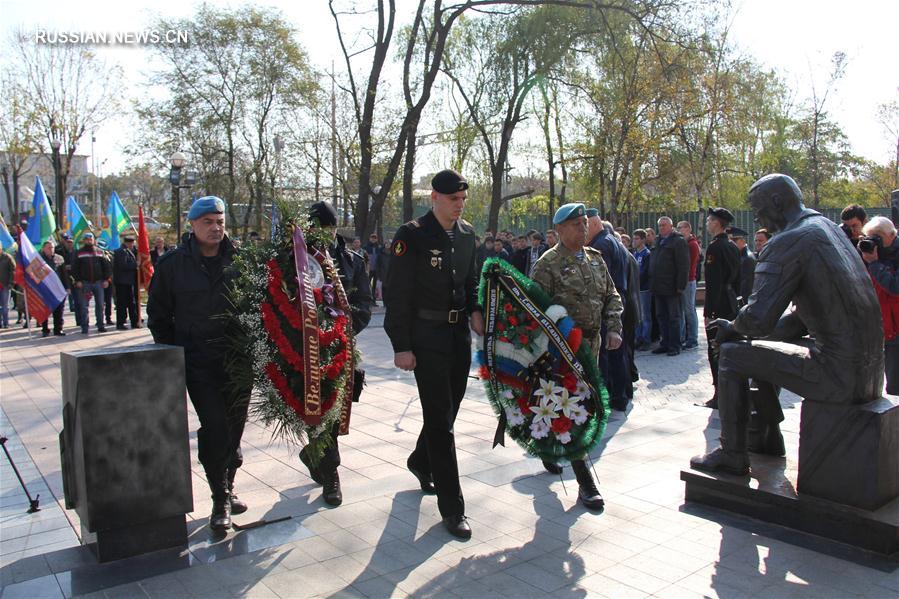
(125, 450)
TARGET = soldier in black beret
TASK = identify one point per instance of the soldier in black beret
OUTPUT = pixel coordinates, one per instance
(747, 265)
(722, 268)
(431, 299)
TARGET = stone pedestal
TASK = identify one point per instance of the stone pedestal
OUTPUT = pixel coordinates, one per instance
(850, 453)
(124, 446)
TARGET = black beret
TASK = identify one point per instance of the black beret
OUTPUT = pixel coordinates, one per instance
(737, 232)
(722, 213)
(448, 182)
(325, 214)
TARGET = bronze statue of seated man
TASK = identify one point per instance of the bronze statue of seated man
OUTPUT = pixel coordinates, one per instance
(829, 348)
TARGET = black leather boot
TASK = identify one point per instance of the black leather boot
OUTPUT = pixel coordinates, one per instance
(552, 467)
(331, 492)
(587, 493)
(237, 506)
(220, 519)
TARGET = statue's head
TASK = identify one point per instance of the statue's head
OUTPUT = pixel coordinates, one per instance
(773, 198)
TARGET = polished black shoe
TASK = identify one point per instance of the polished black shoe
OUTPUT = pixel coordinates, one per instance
(673, 352)
(457, 526)
(109, 322)
(660, 350)
(331, 492)
(221, 514)
(313, 472)
(237, 506)
(424, 480)
(552, 467)
(45, 334)
(712, 403)
(59, 333)
(101, 329)
(121, 327)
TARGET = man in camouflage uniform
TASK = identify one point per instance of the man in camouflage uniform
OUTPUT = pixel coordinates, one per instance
(575, 277)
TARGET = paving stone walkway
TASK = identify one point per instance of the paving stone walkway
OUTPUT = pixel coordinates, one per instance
(531, 538)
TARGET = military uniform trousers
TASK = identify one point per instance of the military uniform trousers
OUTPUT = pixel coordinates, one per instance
(442, 379)
(223, 414)
(125, 304)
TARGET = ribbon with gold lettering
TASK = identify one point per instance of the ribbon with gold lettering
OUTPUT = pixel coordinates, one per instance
(312, 406)
(349, 366)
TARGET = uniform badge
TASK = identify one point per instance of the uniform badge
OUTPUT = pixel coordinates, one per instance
(436, 258)
(709, 259)
(399, 248)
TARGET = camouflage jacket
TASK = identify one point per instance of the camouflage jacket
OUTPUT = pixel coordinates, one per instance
(582, 285)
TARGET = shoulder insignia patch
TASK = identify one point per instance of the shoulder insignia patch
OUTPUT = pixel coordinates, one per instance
(414, 223)
(399, 247)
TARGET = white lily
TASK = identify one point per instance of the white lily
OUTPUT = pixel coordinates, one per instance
(548, 390)
(545, 411)
(565, 403)
(579, 414)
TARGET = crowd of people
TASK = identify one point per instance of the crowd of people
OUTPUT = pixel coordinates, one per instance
(90, 273)
(627, 292)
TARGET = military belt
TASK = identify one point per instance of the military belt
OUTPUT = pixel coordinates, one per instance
(451, 316)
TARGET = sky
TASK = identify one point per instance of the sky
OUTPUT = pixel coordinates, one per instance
(794, 37)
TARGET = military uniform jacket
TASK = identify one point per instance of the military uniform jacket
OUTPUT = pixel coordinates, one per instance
(722, 271)
(583, 286)
(351, 268)
(747, 272)
(430, 273)
(124, 266)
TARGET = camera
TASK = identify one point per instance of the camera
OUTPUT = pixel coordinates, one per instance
(868, 243)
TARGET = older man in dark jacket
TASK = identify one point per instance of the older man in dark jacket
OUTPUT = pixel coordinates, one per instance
(188, 299)
(669, 269)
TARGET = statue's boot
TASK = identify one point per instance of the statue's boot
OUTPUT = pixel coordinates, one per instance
(724, 460)
(732, 457)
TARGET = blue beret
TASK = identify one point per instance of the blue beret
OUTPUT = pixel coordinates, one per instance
(206, 205)
(568, 211)
(592, 212)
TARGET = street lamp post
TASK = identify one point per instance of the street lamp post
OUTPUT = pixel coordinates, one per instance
(57, 194)
(177, 161)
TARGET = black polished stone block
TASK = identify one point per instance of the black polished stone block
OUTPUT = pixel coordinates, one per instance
(125, 451)
(850, 453)
(769, 494)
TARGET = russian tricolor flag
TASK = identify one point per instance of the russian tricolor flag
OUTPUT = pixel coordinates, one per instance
(43, 289)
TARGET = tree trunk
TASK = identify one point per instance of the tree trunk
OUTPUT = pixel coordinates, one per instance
(408, 172)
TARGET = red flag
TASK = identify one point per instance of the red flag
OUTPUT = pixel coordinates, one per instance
(143, 250)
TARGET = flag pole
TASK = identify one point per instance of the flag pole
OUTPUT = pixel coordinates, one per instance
(27, 315)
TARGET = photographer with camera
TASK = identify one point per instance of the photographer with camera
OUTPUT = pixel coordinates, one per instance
(854, 218)
(878, 247)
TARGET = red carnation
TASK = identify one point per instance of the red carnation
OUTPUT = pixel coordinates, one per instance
(508, 307)
(523, 339)
(504, 339)
(561, 425)
(569, 381)
(500, 327)
(513, 321)
(319, 299)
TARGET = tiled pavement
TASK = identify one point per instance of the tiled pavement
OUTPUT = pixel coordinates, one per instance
(531, 538)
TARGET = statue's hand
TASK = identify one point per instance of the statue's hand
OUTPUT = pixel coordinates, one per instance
(723, 330)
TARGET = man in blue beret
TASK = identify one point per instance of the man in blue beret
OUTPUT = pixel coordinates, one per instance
(188, 299)
(575, 276)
